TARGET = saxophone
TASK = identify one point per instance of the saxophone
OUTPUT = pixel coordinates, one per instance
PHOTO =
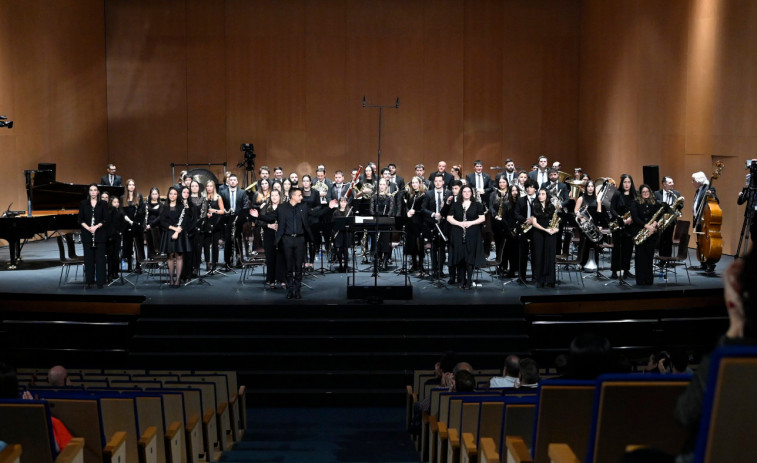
(555, 222)
(501, 205)
(644, 232)
(668, 219)
(615, 226)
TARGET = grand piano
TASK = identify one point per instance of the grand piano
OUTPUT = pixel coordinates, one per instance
(51, 206)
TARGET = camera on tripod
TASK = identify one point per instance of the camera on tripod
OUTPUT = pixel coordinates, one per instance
(751, 182)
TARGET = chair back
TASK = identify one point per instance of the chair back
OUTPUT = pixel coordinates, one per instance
(71, 245)
(683, 247)
(681, 228)
(726, 431)
(634, 409)
(27, 422)
(61, 249)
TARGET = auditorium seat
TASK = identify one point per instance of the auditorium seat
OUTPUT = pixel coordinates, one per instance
(726, 431)
(450, 409)
(11, 454)
(27, 423)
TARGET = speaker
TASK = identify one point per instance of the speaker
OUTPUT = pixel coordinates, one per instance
(652, 177)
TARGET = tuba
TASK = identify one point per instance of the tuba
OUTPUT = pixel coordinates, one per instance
(587, 225)
(575, 188)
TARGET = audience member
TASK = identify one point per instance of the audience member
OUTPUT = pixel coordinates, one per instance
(679, 362)
(464, 381)
(58, 376)
(529, 374)
(509, 373)
(738, 278)
(561, 364)
(589, 356)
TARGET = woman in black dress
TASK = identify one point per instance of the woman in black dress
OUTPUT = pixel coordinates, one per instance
(132, 205)
(589, 199)
(212, 230)
(93, 216)
(621, 238)
(545, 241)
(512, 244)
(189, 224)
(382, 205)
(342, 239)
(114, 232)
(312, 199)
(642, 212)
(275, 268)
(412, 207)
(152, 222)
(174, 242)
(199, 206)
(498, 206)
(466, 217)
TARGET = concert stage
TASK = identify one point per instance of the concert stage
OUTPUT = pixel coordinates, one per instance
(348, 347)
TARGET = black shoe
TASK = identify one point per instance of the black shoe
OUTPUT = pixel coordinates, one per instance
(297, 295)
(627, 274)
(289, 295)
(614, 275)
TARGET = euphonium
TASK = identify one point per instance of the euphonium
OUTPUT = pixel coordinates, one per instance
(587, 225)
(668, 219)
(644, 232)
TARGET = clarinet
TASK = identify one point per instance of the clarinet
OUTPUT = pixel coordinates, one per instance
(93, 225)
(465, 230)
(181, 219)
(147, 212)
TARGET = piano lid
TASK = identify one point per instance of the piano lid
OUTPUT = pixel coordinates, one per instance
(45, 193)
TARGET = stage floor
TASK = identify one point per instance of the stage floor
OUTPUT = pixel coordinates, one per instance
(38, 275)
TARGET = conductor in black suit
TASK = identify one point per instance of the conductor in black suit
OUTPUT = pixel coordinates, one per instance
(292, 219)
(235, 200)
(111, 179)
(667, 195)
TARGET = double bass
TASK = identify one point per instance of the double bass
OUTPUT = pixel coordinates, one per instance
(707, 223)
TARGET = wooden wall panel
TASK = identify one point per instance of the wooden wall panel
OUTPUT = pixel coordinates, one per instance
(147, 89)
(52, 73)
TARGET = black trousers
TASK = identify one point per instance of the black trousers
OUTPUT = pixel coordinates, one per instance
(666, 241)
(113, 251)
(644, 260)
(94, 263)
(622, 248)
(543, 261)
(438, 252)
(230, 242)
(525, 246)
(294, 256)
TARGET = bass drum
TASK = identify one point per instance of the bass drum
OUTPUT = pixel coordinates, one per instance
(202, 176)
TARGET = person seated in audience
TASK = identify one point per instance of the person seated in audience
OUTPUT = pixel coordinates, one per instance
(58, 376)
(442, 371)
(589, 356)
(658, 363)
(509, 373)
(561, 364)
(738, 278)
(463, 381)
(529, 374)
(679, 362)
(9, 390)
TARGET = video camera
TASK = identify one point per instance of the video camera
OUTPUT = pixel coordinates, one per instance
(751, 164)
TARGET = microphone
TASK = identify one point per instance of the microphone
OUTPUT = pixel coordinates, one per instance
(363, 101)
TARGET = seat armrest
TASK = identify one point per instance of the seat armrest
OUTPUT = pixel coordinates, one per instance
(454, 438)
(469, 446)
(488, 453)
(562, 453)
(148, 445)
(73, 453)
(11, 454)
(115, 449)
(517, 450)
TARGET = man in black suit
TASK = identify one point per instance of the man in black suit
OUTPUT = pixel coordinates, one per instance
(235, 200)
(559, 189)
(433, 203)
(292, 219)
(509, 173)
(396, 179)
(667, 195)
(111, 179)
(480, 181)
(441, 169)
(541, 174)
(420, 172)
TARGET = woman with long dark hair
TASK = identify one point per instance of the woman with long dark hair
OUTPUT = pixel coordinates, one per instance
(174, 242)
(133, 206)
(589, 199)
(274, 257)
(412, 207)
(114, 232)
(620, 209)
(93, 217)
(642, 213)
(212, 230)
(152, 222)
(512, 243)
(498, 206)
(545, 240)
(466, 216)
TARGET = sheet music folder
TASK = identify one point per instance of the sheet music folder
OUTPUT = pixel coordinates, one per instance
(369, 223)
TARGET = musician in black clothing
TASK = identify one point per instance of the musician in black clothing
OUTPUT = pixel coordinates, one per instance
(524, 216)
(512, 244)
(274, 255)
(704, 190)
(190, 227)
(412, 208)
(133, 206)
(622, 239)
(465, 218)
(441, 169)
(292, 219)
(114, 231)
(199, 207)
(667, 195)
(213, 227)
(235, 200)
(174, 241)
(382, 205)
(111, 179)
(93, 216)
(433, 203)
(544, 239)
(342, 239)
(643, 211)
(498, 202)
